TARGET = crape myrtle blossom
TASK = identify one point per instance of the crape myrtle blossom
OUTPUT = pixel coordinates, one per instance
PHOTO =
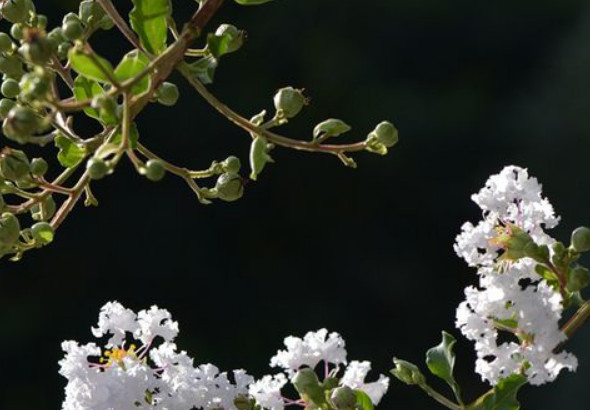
(140, 367)
(511, 296)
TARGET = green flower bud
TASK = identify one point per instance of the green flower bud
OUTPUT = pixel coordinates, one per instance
(581, 239)
(107, 107)
(407, 372)
(39, 167)
(42, 233)
(63, 49)
(244, 402)
(9, 229)
(97, 168)
(41, 21)
(44, 210)
(10, 88)
(17, 11)
(167, 94)
(5, 43)
(5, 106)
(330, 128)
(35, 86)
(259, 156)
(56, 35)
(229, 187)
(11, 66)
(155, 170)
(343, 398)
(70, 17)
(21, 123)
(386, 134)
(37, 47)
(14, 164)
(235, 37)
(72, 29)
(514, 241)
(289, 102)
(578, 278)
(232, 164)
(308, 386)
(558, 253)
(17, 31)
(536, 252)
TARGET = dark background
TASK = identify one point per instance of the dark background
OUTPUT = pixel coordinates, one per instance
(472, 85)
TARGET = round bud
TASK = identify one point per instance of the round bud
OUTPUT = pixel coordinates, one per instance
(235, 36)
(63, 49)
(5, 106)
(407, 372)
(10, 88)
(70, 17)
(9, 229)
(5, 43)
(37, 47)
(155, 170)
(56, 35)
(72, 29)
(17, 11)
(229, 187)
(45, 210)
(289, 102)
(17, 32)
(167, 94)
(578, 278)
(232, 164)
(20, 123)
(581, 239)
(41, 21)
(35, 86)
(11, 66)
(386, 134)
(343, 398)
(14, 164)
(39, 167)
(97, 168)
(42, 233)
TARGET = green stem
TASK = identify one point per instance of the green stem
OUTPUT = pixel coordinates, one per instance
(121, 24)
(440, 398)
(577, 320)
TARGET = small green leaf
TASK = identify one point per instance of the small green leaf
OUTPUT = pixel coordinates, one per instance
(149, 19)
(130, 66)
(363, 401)
(441, 360)
(502, 396)
(70, 154)
(258, 156)
(133, 136)
(89, 64)
(86, 89)
(251, 2)
(330, 128)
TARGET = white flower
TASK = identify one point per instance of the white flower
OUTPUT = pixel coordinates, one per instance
(309, 351)
(155, 322)
(354, 377)
(116, 320)
(267, 391)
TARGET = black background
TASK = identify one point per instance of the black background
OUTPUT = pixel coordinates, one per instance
(472, 85)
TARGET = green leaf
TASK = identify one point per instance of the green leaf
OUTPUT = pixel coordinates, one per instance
(70, 154)
(502, 396)
(149, 19)
(133, 136)
(86, 89)
(363, 401)
(251, 2)
(89, 64)
(130, 66)
(441, 360)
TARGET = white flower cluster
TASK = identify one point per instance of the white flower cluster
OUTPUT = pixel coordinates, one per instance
(512, 300)
(156, 376)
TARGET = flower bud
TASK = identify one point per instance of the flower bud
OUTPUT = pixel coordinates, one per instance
(407, 372)
(10, 88)
(38, 167)
(558, 256)
(330, 128)
(44, 210)
(92, 14)
(578, 278)
(17, 31)
(11, 66)
(581, 239)
(9, 229)
(386, 134)
(289, 102)
(259, 156)
(232, 164)
(35, 86)
(14, 164)
(343, 398)
(167, 94)
(308, 386)
(5, 43)
(37, 47)
(229, 187)
(5, 106)
(538, 253)
(97, 168)
(41, 21)
(72, 29)
(155, 170)
(42, 233)
(107, 107)
(17, 11)
(21, 123)
(235, 37)
(244, 402)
